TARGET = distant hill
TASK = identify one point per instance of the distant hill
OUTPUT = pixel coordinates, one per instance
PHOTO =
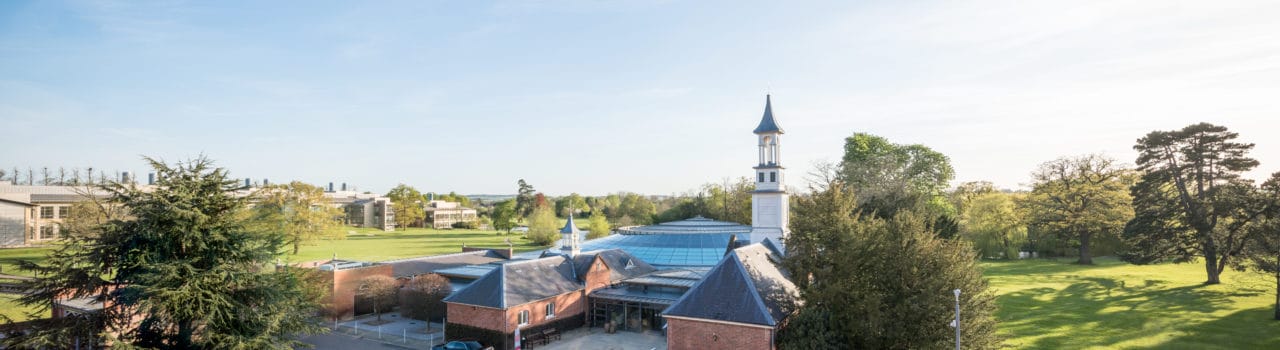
(491, 197)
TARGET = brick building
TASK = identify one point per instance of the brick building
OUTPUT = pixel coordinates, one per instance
(739, 305)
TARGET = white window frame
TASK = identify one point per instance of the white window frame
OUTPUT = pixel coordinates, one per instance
(551, 309)
(51, 212)
(523, 317)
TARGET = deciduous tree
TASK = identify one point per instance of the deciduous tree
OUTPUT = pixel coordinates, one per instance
(995, 224)
(504, 215)
(298, 210)
(544, 229)
(1190, 201)
(406, 201)
(888, 177)
(598, 226)
(380, 292)
(423, 297)
(1078, 198)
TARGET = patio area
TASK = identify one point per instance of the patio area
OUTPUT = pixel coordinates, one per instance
(596, 339)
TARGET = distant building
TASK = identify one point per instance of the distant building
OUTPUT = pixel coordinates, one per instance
(364, 209)
(442, 214)
(34, 214)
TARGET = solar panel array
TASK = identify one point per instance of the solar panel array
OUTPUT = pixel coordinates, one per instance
(667, 250)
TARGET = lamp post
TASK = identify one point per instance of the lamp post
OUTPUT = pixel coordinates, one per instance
(957, 321)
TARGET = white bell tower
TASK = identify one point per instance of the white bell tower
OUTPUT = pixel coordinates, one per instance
(770, 204)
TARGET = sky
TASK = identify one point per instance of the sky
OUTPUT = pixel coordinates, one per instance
(594, 97)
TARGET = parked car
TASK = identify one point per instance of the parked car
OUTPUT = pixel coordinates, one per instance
(460, 345)
(521, 229)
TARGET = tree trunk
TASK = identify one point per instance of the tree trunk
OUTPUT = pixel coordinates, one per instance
(1086, 258)
(1210, 259)
(1211, 267)
(1277, 310)
(295, 247)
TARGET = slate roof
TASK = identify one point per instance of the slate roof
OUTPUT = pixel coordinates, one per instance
(569, 227)
(520, 282)
(747, 286)
(767, 124)
(430, 264)
(618, 261)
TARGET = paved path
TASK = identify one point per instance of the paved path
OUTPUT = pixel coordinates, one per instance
(596, 339)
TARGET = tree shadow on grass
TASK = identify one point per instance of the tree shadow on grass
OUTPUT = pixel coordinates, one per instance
(1097, 311)
(1245, 329)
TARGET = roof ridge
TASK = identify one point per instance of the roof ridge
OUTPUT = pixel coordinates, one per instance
(502, 286)
(755, 291)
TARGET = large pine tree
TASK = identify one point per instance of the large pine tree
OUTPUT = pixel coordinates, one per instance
(181, 271)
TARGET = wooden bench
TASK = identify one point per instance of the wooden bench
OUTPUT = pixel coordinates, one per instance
(550, 333)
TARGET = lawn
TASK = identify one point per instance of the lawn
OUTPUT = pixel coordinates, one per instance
(10, 308)
(9, 258)
(1058, 305)
(377, 245)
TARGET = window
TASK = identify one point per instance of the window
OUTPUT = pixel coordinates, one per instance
(761, 177)
(64, 211)
(523, 318)
(46, 232)
(773, 176)
(46, 212)
(551, 309)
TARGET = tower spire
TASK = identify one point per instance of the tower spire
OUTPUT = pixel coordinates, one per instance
(767, 124)
(570, 236)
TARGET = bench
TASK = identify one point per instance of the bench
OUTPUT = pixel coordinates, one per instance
(550, 333)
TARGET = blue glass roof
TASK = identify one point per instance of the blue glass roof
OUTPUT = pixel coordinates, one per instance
(667, 250)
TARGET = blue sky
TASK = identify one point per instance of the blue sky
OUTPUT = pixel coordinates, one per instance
(602, 96)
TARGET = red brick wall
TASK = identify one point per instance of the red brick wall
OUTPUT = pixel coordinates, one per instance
(345, 283)
(693, 334)
(597, 276)
(475, 316)
(570, 304)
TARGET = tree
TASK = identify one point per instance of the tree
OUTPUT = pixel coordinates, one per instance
(964, 194)
(380, 292)
(884, 283)
(423, 297)
(406, 201)
(638, 208)
(598, 226)
(573, 203)
(888, 177)
(995, 225)
(298, 210)
(1076, 198)
(1264, 249)
(183, 270)
(544, 228)
(504, 215)
(730, 201)
(1190, 200)
(524, 198)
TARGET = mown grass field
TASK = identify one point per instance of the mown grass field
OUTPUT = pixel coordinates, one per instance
(1113, 305)
(377, 245)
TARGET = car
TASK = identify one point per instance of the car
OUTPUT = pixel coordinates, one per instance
(460, 345)
(521, 229)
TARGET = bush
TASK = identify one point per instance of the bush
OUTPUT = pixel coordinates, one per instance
(470, 225)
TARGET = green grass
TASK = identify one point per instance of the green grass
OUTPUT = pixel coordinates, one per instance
(377, 245)
(9, 258)
(1057, 305)
(10, 308)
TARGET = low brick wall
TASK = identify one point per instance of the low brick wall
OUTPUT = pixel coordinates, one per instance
(694, 334)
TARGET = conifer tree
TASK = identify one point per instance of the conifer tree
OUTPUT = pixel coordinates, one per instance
(182, 270)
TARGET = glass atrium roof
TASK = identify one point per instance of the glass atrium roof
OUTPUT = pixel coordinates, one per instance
(667, 250)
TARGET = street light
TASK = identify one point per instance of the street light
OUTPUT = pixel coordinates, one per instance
(956, 323)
